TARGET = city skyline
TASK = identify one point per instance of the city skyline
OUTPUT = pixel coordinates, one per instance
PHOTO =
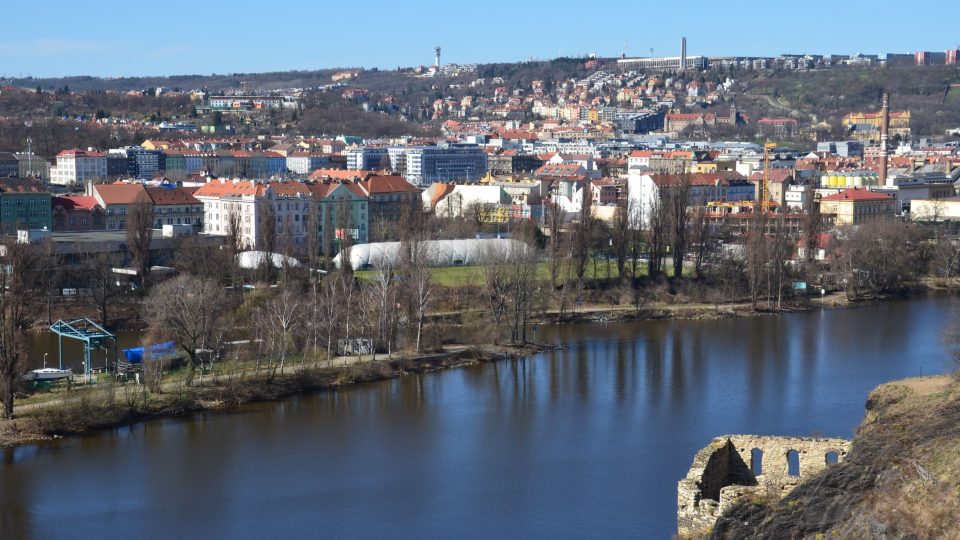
(185, 38)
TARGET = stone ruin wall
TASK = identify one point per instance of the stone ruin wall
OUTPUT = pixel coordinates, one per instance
(722, 474)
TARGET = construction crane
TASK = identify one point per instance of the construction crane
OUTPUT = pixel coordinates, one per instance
(766, 176)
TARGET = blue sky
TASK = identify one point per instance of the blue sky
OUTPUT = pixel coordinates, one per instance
(108, 38)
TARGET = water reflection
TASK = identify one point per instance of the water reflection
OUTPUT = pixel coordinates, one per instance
(587, 441)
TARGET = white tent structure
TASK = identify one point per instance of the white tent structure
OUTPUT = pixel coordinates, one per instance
(253, 259)
(463, 252)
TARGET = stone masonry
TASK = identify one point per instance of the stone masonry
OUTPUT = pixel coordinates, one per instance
(723, 473)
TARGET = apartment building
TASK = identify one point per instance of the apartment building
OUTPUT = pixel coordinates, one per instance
(76, 167)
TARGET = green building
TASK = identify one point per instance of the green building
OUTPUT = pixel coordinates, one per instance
(341, 209)
(24, 204)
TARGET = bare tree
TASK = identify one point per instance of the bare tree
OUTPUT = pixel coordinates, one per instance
(327, 314)
(657, 233)
(190, 310)
(101, 283)
(50, 273)
(18, 275)
(621, 234)
(779, 249)
(266, 239)
(881, 256)
(582, 240)
(678, 197)
(139, 232)
(418, 284)
(521, 276)
(384, 291)
(945, 261)
(554, 222)
(755, 255)
(234, 243)
(700, 238)
(811, 229)
(496, 292)
(281, 317)
(198, 257)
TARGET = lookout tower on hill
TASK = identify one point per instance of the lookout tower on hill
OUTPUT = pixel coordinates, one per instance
(436, 58)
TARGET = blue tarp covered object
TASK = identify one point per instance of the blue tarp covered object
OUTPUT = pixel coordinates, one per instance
(135, 354)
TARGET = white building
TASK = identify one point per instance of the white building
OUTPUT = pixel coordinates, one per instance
(305, 162)
(75, 167)
(645, 188)
(366, 159)
(463, 198)
(286, 202)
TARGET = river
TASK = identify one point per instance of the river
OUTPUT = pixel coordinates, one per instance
(585, 442)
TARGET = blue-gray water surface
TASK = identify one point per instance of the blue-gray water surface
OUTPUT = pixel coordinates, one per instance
(585, 442)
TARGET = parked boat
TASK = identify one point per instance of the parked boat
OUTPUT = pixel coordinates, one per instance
(48, 374)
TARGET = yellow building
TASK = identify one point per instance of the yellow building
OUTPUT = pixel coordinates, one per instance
(899, 124)
(705, 167)
(855, 206)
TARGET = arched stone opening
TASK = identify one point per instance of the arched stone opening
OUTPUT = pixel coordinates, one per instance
(793, 463)
(756, 461)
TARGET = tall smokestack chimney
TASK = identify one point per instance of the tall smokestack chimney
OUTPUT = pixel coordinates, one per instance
(683, 53)
(884, 127)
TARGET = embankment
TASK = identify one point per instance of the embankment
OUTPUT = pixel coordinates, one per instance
(110, 406)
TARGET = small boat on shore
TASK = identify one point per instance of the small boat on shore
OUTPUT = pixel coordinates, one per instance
(48, 374)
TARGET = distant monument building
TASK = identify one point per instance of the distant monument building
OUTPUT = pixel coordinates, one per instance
(679, 63)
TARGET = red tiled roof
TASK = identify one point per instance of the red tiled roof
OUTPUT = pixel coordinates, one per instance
(777, 176)
(228, 188)
(339, 174)
(289, 189)
(388, 184)
(74, 202)
(121, 193)
(176, 195)
(76, 152)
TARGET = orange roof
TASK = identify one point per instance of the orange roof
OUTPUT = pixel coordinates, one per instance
(76, 152)
(388, 184)
(339, 174)
(777, 176)
(289, 189)
(176, 195)
(121, 193)
(228, 188)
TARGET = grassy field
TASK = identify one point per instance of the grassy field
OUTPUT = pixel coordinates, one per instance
(457, 276)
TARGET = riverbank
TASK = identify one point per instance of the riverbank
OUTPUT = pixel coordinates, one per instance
(110, 405)
(899, 480)
(113, 405)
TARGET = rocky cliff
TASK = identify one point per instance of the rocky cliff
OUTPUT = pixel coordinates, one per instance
(901, 478)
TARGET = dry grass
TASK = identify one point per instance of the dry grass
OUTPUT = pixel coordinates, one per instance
(901, 478)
